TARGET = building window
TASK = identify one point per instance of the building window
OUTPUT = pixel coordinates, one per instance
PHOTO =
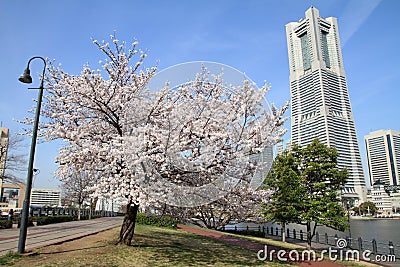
(391, 160)
(305, 52)
(325, 49)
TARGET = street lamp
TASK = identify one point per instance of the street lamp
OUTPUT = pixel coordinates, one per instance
(348, 217)
(26, 78)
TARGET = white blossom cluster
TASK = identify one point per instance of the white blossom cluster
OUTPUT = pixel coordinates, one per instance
(185, 146)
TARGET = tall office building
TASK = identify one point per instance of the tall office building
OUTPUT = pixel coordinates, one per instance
(320, 103)
(383, 153)
(266, 156)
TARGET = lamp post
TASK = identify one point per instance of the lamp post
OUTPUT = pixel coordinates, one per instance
(348, 216)
(26, 78)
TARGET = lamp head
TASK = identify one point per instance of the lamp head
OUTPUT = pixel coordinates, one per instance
(26, 77)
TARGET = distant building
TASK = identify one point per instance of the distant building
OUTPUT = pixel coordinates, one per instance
(283, 147)
(383, 155)
(395, 198)
(12, 197)
(289, 145)
(380, 198)
(280, 149)
(109, 204)
(320, 102)
(46, 197)
(267, 155)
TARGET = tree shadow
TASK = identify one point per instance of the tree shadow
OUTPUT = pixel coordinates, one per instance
(71, 250)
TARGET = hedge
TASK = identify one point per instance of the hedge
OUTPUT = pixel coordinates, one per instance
(5, 224)
(44, 220)
(154, 220)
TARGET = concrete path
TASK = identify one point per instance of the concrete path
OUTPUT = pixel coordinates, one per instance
(40, 236)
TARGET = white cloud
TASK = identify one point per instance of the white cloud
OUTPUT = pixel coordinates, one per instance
(354, 15)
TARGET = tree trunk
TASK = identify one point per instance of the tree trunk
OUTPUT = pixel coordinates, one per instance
(128, 226)
(79, 212)
(90, 209)
(283, 232)
(309, 235)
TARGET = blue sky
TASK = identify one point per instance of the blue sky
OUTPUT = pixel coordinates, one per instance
(247, 35)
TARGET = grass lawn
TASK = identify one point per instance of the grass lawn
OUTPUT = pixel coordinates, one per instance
(153, 246)
(290, 246)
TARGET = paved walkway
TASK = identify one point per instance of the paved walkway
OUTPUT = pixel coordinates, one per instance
(44, 235)
(253, 246)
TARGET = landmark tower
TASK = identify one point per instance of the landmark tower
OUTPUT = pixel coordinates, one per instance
(320, 103)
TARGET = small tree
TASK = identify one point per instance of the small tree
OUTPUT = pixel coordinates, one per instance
(367, 208)
(321, 181)
(305, 184)
(76, 189)
(242, 204)
(356, 210)
(286, 200)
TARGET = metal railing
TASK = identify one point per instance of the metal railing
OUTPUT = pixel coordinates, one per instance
(377, 248)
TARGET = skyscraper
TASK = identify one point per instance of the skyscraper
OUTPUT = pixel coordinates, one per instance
(320, 103)
(383, 153)
(266, 156)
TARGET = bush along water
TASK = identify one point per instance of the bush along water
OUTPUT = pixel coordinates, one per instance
(154, 220)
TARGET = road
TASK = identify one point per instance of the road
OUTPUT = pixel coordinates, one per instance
(44, 235)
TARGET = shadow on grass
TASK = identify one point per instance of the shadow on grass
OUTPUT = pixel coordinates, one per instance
(151, 246)
(71, 250)
(177, 248)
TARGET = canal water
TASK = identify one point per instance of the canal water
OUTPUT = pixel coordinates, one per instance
(382, 230)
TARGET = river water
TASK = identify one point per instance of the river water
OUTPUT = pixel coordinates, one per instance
(382, 230)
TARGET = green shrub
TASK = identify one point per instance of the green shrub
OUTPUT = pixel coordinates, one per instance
(86, 217)
(154, 220)
(5, 224)
(44, 220)
(17, 220)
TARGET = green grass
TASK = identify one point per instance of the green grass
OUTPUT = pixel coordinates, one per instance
(153, 246)
(167, 247)
(9, 259)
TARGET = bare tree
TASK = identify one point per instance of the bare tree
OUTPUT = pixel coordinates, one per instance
(15, 159)
(76, 189)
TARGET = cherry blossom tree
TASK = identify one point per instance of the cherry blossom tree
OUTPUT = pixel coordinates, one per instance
(185, 146)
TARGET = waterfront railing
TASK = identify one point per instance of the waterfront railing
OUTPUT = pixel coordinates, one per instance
(357, 243)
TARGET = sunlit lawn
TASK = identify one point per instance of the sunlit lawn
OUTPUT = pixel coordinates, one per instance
(152, 247)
